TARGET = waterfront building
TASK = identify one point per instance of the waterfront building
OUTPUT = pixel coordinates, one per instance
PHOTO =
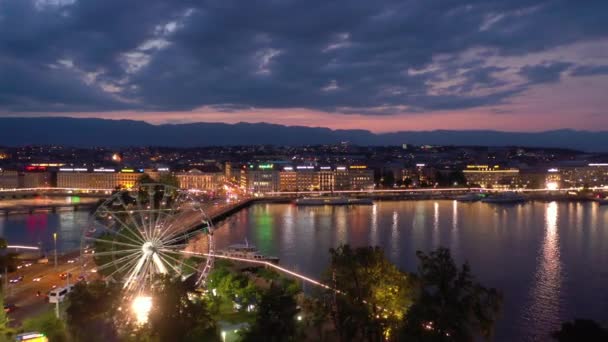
(585, 175)
(287, 179)
(260, 178)
(307, 179)
(196, 179)
(360, 177)
(326, 179)
(41, 179)
(98, 178)
(488, 176)
(9, 179)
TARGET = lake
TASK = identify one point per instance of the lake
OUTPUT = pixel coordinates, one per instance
(548, 259)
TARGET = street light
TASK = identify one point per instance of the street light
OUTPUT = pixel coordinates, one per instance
(55, 241)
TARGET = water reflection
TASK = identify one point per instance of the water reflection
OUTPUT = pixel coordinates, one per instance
(373, 233)
(545, 307)
(454, 236)
(395, 235)
(435, 224)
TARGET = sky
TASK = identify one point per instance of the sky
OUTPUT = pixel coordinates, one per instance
(382, 65)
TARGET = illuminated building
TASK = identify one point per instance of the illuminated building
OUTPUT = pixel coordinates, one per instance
(306, 178)
(326, 179)
(9, 179)
(196, 179)
(589, 175)
(259, 178)
(287, 179)
(360, 177)
(487, 176)
(99, 178)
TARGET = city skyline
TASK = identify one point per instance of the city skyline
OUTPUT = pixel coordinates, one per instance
(383, 66)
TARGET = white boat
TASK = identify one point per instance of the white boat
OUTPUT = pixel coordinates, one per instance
(505, 198)
(333, 201)
(470, 197)
(246, 251)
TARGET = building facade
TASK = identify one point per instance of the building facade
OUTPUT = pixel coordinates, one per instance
(196, 179)
(487, 176)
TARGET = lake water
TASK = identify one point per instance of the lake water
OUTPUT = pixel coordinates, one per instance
(549, 259)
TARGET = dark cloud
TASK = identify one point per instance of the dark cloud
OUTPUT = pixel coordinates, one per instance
(370, 57)
(544, 73)
(590, 70)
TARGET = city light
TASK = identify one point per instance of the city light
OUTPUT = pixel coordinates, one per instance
(141, 306)
(552, 186)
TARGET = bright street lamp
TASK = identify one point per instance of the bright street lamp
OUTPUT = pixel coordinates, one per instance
(55, 241)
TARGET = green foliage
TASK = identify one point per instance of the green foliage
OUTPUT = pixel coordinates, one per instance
(145, 179)
(451, 306)
(93, 307)
(5, 331)
(375, 294)
(276, 319)
(176, 317)
(581, 330)
(48, 324)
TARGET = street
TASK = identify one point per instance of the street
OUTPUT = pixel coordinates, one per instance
(23, 293)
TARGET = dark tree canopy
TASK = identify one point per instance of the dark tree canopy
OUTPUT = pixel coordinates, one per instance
(581, 330)
(276, 320)
(451, 306)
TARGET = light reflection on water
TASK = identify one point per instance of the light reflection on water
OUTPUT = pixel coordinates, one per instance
(544, 311)
(534, 252)
(548, 258)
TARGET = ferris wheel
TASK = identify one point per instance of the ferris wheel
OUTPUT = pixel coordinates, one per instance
(153, 230)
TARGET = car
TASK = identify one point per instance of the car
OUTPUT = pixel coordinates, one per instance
(71, 261)
(38, 278)
(27, 264)
(16, 280)
(65, 275)
(9, 308)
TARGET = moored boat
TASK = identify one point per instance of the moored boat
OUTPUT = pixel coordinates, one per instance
(505, 198)
(470, 197)
(246, 251)
(333, 201)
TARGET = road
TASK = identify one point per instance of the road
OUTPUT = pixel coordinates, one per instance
(23, 293)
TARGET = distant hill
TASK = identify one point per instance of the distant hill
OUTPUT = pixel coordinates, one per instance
(101, 132)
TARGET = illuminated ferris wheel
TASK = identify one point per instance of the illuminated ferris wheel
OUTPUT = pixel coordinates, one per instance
(138, 235)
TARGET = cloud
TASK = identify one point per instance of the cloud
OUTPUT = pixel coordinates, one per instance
(351, 56)
(544, 73)
(590, 70)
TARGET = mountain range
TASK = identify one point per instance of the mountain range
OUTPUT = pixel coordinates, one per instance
(116, 133)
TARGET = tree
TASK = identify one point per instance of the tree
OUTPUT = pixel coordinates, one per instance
(168, 179)
(49, 324)
(94, 307)
(145, 179)
(451, 306)
(581, 330)
(179, 316)
(374, 294)
(276, 319)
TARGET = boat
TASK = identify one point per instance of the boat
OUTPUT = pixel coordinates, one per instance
(333, 201)
(246, 251)
(470, 197)
(505, 198)
(602, 201)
